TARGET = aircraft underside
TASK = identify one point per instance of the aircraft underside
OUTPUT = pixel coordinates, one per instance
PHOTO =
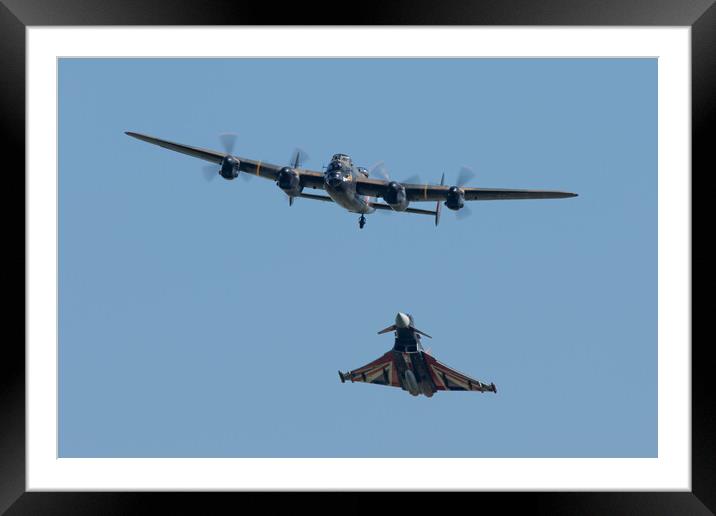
(350, 200)
(409, 367)
(413, 374)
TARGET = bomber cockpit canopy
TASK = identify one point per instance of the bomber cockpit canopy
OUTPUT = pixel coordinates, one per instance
(334, 165)
(343, 158)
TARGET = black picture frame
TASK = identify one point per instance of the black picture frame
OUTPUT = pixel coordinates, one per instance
(16, 15)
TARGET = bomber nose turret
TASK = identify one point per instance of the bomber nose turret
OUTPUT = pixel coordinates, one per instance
(334, 179)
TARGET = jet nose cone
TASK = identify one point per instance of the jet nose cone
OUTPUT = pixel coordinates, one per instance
(402, 320)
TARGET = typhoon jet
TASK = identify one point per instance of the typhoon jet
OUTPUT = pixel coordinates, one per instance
(411, 368)
(348, 185)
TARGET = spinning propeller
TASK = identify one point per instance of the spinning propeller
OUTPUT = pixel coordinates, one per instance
(298, 158)
(228, 142)
(464, 176)
(379, 169)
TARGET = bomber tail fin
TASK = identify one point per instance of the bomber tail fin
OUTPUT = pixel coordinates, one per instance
(437, 205)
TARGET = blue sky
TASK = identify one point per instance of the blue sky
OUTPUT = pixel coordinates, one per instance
(209, 319)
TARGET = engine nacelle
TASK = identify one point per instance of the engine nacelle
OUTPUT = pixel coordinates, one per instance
(395, 196)
(229, 168)
(289, 181)
(455, 198)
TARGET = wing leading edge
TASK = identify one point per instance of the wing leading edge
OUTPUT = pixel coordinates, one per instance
(196, 152)
(426, 192)
(270, 171)
(385, 371)
(380, 372)
(448, 379)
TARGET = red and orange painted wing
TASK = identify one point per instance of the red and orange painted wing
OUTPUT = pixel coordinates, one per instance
(448, 379)
(380, 371)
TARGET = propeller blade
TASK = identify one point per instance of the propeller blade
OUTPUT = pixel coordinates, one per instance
(412, 180)
(228, 141)
(463, 213)
(379, 169)
(464, 176)
(298, 158)
(381, 213)
(210, 172)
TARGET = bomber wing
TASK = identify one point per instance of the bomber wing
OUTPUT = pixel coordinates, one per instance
(427, 192)
(309, 178)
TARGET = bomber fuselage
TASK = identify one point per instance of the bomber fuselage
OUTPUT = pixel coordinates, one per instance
(340, 184)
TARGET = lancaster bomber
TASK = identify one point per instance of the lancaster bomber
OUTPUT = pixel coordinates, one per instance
(351, 186)
(411, 368)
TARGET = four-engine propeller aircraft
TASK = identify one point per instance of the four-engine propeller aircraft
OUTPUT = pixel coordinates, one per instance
(412, 369)
(350, 186)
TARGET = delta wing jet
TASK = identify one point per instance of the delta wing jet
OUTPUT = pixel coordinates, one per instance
(411, 368)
